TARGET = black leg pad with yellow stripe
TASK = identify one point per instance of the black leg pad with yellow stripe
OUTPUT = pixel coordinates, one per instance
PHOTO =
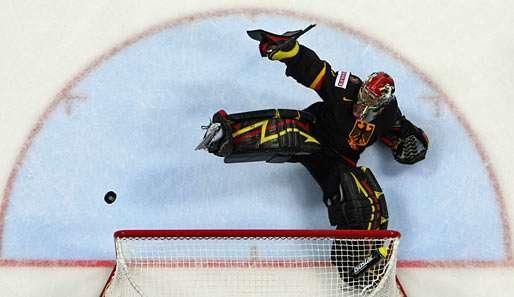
(360, 203)
(272, 135)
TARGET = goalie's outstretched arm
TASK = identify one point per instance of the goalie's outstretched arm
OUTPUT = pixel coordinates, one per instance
(304, 65)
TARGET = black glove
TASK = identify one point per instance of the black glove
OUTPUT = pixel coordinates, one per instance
(277, 47)
(412, 148)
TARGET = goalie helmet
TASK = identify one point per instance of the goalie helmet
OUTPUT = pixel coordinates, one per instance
(376, 92)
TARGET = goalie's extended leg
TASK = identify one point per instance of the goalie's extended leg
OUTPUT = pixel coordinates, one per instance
(359, 204)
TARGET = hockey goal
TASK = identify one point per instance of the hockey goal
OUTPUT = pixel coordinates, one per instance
(271, 263)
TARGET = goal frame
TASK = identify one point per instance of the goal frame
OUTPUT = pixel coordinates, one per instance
(253, 233)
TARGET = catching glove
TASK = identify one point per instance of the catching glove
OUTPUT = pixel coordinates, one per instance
(408, 143)
(412, 148)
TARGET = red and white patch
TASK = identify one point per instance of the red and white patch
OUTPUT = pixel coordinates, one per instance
(342, 79)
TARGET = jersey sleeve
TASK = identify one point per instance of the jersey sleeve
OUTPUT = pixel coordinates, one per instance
(309, 70)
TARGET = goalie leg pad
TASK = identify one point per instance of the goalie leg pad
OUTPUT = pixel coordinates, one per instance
(273, 135)
(360, 202)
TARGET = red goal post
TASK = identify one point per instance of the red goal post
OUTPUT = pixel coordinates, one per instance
(254, 263)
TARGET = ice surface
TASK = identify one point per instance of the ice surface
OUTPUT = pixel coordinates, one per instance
(463, 48)
(135, 130)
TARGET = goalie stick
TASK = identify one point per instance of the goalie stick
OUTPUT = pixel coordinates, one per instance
(375, 257)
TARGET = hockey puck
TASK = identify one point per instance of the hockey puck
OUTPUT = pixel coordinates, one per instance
(110, 197)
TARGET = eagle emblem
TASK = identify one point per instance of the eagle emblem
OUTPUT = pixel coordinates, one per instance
(361, 134)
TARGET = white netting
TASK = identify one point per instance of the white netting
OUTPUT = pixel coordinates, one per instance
(251, 266)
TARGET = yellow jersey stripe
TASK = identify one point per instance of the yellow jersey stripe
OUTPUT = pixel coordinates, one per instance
(321, 74)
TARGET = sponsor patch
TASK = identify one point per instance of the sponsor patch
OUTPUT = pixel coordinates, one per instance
(342, 79)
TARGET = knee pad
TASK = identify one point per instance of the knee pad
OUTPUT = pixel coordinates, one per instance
(360, 203)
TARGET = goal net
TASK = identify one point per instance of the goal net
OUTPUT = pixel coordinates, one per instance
(240, 263)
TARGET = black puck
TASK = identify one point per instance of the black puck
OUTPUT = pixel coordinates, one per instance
(110, 197)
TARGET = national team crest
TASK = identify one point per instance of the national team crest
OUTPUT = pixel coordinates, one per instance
(361, 134)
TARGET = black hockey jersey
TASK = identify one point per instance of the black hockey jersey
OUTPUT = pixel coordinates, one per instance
(340, 132)
(343, 136)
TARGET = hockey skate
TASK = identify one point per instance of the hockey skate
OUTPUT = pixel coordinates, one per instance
(213, 134)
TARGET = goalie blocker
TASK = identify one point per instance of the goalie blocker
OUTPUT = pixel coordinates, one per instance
(271, 135)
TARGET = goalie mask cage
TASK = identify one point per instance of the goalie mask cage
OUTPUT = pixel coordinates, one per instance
(271, 263)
